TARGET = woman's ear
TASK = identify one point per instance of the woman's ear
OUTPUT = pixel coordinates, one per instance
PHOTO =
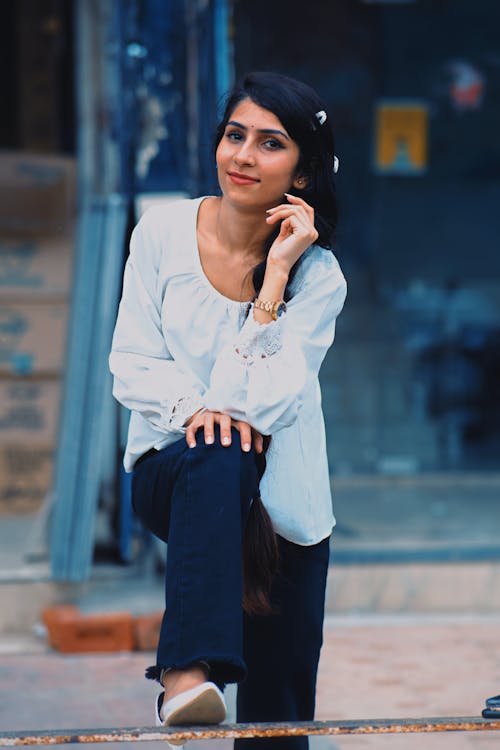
(300, 182)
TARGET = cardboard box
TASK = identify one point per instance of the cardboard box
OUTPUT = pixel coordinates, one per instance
(29, 411)
(35, 269)
(37, 194)
(25, 476)
(32, 338)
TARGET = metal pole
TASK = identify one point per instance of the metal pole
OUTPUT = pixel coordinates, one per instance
(192, 102)
(223, 50)
(270, 729)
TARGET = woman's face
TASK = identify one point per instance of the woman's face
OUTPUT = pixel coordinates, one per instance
(256, 158)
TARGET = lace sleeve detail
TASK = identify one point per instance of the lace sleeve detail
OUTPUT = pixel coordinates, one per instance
(258, 340)
(184, 408)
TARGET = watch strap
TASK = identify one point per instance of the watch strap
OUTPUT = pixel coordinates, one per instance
(269, 306)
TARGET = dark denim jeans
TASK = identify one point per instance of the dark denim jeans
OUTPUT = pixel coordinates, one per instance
(197, 500)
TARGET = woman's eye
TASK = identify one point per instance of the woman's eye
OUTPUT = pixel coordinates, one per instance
(233, 136)
(272, 144)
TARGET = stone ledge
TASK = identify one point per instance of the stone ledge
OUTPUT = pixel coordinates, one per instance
(414, 588)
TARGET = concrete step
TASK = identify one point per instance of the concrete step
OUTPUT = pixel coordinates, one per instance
(413, 588)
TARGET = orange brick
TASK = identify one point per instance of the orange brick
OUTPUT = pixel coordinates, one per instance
(77, 633)
(58, 612)
(53, 616)
(147, 631)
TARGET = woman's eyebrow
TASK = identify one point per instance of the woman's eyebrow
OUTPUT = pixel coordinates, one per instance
(261, 130)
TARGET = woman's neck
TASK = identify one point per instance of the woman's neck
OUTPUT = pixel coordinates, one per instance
(240, 231)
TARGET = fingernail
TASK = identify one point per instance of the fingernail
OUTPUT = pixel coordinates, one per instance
(191, 445)
(246, 447)
(209, 440)
(225, 441)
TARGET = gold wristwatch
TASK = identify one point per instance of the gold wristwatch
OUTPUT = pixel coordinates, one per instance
(276, 309)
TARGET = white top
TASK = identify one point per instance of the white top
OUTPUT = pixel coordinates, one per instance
(179, 344)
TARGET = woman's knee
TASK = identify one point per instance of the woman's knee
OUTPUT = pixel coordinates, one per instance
(225, 464)
(216, 452)
(233, 446)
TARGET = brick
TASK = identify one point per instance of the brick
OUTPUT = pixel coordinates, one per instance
(53, 618)
(71, 632)
(147, 631)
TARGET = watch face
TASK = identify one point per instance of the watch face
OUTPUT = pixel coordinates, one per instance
(281, 309)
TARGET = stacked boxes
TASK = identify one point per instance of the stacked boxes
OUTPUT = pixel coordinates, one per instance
(37, 212)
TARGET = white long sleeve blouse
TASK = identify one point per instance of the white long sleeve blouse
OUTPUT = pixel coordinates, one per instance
(179, 345)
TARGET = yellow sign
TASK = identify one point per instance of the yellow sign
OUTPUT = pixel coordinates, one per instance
(401, 136)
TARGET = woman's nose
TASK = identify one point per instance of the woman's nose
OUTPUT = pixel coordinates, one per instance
(245, 155)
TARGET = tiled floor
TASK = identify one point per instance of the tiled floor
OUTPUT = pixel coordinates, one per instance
(409, 667)
(371, 667)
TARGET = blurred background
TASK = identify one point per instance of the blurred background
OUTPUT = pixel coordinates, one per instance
(109, 105)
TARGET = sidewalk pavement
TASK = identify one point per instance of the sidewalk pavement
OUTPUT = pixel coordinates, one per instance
(371, 667)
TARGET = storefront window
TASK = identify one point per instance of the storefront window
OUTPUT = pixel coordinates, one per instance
(411, 387)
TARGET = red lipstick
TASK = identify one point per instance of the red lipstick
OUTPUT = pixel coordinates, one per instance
(242, 179)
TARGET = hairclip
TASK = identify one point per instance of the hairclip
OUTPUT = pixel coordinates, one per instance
(321, 117)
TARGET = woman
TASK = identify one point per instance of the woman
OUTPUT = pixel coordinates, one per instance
(228, 309)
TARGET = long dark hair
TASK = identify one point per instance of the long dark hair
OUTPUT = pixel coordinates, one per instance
(305, 118)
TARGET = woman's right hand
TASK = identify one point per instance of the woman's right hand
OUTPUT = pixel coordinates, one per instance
(297, 231)
(208, 419)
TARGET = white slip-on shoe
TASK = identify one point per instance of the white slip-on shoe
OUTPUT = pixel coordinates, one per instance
(203, 704)
(161, 723)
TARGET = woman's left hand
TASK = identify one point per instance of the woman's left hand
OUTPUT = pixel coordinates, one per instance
(297, 232)
(205, 420)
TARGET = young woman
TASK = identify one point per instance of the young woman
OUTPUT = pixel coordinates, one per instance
(228, 309)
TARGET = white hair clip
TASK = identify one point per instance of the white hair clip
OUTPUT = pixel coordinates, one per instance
(321, 116)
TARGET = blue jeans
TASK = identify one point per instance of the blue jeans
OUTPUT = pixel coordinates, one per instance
(197, 500)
